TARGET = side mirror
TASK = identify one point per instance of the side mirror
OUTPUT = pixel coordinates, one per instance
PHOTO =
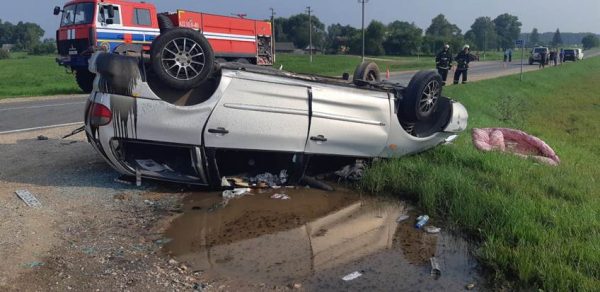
(56, 10)
(111, 11)
(109, 21)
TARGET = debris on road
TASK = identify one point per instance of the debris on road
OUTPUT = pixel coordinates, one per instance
(237, 192)
(34, 264)
(435, 267)
(421, 221)
(28, 198)
(402, 218)
(42, 138)
(352, 172)
(125, 179)
(352, 276)
(75, 132)
(470, 286)
(225, 183)
(314, 183)
(432, 229)
(280, 197)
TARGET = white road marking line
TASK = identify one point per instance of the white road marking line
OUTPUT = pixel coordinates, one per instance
(41, 128)
(40, 106)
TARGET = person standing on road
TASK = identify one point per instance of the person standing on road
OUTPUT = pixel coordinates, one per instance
(462, 64)
(554, 57)
(443, 63)
(509, 55)
(543, 59)
(562, 56)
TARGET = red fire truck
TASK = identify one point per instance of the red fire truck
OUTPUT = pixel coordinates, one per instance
(119, 26)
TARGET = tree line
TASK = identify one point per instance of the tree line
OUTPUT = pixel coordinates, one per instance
(404, 38)
(26, 36)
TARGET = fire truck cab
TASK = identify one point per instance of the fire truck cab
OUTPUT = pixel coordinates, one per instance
(118, 26)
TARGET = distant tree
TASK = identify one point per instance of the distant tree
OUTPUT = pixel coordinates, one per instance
(47, 47)
(374, 36)
(6, 32)
(296, 29)
(482, 34)
(339, 38)
(26, 35)
(590, 41)
(534, 37)
(556, 39)
(508, 28)
(441, 32)
(403, 38)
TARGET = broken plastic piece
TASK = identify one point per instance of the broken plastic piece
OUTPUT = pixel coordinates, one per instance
(42, 138)
(237, 192)
(402, 218)
(432, 229)
(150, 165)
(138, 177)
(225, 183)
(280, 197)
(352, 276)
(28, 198)
(435, 267)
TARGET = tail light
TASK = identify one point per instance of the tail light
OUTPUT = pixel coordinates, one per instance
(101, 115)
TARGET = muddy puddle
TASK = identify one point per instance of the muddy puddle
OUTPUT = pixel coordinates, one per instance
(315, 238)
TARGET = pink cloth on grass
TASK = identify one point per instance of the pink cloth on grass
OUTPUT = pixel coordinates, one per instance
(516, 142)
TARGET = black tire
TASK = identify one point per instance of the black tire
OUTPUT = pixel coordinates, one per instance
(243, 61)
(530, 61)
(164, 23)
(366, 73)
(85, 80)
(420, 99)
(182, 58)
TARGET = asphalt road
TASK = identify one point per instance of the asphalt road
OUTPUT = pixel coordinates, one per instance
(38, 113)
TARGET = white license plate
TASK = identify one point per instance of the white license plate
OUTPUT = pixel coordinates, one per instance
(72, 52)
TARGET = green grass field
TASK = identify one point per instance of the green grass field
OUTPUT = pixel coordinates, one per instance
(24, 75)
(536, 226)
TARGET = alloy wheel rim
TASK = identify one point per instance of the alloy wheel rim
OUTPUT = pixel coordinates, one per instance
(429, 97)
(183, 59)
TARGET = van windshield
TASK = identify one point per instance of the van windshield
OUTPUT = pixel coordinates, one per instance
(539, 50)
(82, 13)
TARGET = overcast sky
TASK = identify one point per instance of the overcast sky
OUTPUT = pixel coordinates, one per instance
(579, 16)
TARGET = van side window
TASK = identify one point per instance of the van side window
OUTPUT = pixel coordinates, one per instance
(103, 15)
(142, 17)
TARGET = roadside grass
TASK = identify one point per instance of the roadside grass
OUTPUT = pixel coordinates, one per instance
(24, 75)
(336, 65)
(537, 226)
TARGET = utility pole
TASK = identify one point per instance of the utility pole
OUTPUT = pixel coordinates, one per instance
(273, 39)
(310, 48)
(363, 2)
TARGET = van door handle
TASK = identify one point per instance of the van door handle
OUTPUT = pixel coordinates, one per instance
(220, 130)
(319, 138)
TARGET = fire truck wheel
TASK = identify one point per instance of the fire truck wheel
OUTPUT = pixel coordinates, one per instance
(182, 58)
(85, 80)
(164, 23)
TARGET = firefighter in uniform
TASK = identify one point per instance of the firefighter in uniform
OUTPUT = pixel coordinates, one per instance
(462, 64)
(443, 63)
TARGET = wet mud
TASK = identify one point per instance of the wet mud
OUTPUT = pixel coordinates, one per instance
(315, 238)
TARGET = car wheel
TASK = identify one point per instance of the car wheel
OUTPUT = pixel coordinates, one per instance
(85, 80)
(164, 23)
(366, 73)
(421, 97)
(182, 58)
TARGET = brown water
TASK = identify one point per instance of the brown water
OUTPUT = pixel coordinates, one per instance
(316, 238)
